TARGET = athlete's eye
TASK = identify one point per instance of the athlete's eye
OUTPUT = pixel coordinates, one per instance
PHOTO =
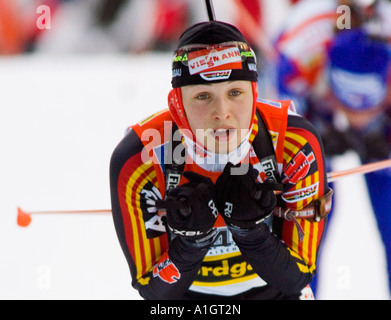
(202, 96)
(235, 93)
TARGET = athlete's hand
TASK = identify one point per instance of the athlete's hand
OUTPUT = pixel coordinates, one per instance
(242, 201)
(191, 210)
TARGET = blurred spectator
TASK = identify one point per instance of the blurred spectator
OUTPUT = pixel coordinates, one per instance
(340, 80)
(11, 31)
(18, 23)
(93, 26)
(166, 19)
(172, 18)
(303, 42)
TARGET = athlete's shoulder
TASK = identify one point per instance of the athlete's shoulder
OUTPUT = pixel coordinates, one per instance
(155, 121)
(282, 108)
(141, 134)
(275, 107)
(298, 123)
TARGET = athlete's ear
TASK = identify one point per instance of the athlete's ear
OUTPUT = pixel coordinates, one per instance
(177, 110)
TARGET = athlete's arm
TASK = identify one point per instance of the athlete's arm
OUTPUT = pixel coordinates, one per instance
(284, 261)
(159, 270)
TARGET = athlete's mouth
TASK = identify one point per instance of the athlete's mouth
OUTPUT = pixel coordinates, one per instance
(223, 134)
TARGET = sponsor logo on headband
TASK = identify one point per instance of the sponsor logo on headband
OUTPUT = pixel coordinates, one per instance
(214, 60)
(216, 75)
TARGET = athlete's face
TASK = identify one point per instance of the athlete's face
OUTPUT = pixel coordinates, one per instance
(219, 114)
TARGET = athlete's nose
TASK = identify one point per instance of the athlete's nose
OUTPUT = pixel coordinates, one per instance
(220, 110)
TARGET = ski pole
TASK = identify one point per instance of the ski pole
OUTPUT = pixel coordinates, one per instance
(366, 168)
(24, 217)
(211, 11)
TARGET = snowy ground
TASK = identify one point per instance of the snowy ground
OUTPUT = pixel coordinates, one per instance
(61, 117)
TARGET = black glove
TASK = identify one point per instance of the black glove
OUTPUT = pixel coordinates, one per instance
(191, 210)
(243, 201)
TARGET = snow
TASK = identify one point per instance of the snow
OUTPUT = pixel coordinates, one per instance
(61, 117)
(353, 264)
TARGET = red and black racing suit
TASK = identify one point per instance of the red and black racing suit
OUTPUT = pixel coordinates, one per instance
(280, 267)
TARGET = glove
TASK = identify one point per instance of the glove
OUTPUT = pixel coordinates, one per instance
(191, 210)
(244, 202)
